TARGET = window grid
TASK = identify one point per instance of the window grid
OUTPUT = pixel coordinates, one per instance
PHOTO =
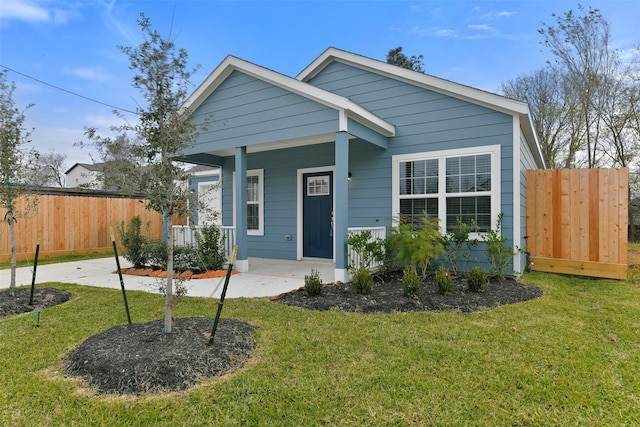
(452, 188)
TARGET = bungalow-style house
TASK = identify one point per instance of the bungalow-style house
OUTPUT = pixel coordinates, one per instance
(351, 143)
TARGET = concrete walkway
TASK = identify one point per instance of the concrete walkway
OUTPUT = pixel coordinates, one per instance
(267, 277)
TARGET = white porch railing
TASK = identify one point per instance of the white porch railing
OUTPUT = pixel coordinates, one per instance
(376, 233)
(185, 235)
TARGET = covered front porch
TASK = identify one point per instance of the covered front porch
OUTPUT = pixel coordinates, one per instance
(281, 142)
(185, 235)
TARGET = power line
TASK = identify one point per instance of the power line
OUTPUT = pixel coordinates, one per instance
(67, 91)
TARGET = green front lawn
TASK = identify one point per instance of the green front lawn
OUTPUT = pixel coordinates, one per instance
(569, 358)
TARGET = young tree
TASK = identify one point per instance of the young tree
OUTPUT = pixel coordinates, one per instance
(15, 163)
(396, 57)
(163, 131)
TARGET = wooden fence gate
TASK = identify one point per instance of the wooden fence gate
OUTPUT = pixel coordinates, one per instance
(577, 221)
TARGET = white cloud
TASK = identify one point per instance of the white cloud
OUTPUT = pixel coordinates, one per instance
(93, 74)
(482, 27)
(33, 11)
(61, 140)
(23, 10)
(493, 14)
(446, 33)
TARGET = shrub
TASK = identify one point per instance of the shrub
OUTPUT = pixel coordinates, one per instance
(476, 279)
(390, 255)
(156, 253)
(210, 248)
(444, 281)
(418, 243)
(457, 246)
(410, 282)
(312, 283)
(367, 249)
(184, 258)
(134, 242)
(362, 281)
(499, 252)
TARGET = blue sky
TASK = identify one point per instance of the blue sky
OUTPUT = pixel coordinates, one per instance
(72, 44)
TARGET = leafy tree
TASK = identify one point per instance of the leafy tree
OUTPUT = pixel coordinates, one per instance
(16, 163)
(551, 108)
(582, 49)
(163, 131)
(396, 57)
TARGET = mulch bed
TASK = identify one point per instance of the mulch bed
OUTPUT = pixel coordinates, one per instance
(387, 296)
(187, 275)
(140, 358)
(19, 302)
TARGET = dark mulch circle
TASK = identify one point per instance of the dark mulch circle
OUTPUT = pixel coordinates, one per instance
(140, 358)
(19, 302)
(387, 296)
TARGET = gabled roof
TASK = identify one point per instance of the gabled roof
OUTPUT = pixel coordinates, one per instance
(346, 107)
(426, 81)
(93, 167)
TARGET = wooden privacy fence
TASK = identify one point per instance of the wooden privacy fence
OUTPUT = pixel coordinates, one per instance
(577, 221)
(74, 221)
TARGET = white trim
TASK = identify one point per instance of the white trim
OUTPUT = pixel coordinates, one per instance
(517, 235)
(341, 275)
(204, 174)
(260, 174)
(300, 208)
(242, 265)
(442, 155)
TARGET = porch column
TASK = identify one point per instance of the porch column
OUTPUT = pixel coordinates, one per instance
(341, 208)
(242, 258)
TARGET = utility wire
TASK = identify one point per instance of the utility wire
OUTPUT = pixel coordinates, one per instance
(68, 91)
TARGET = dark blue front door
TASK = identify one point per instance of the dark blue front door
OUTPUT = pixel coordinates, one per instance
(318, 215)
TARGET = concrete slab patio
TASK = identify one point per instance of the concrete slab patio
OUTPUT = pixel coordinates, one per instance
(266, 277)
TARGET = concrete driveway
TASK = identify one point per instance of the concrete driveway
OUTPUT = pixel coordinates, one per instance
(267, 277)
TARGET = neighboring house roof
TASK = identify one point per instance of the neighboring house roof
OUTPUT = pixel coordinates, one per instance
(93, 167)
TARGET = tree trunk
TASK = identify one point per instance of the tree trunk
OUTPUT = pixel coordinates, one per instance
(12, 233)
(169, 288)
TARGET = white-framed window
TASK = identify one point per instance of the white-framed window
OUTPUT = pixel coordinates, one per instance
(255, 202)
(452, 185)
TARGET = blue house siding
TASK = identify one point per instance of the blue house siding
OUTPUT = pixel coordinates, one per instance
(247, 111)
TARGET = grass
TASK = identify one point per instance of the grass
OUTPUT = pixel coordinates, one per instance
(569, 358)
(56, 259)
